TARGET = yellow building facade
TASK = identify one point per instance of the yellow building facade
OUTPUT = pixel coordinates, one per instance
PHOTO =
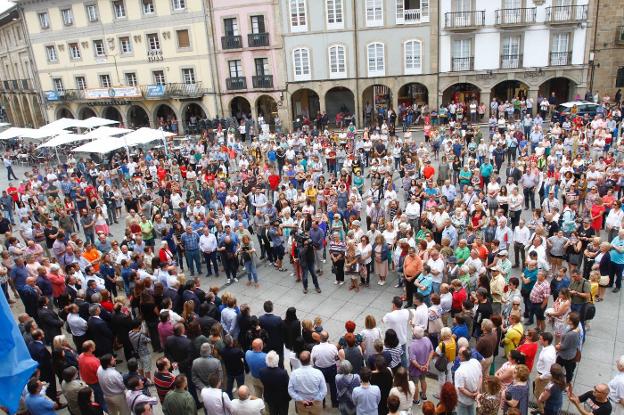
(141, 62)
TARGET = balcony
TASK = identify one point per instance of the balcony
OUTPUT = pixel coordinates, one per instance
(232, 42)
(173, 90)
(255, 40)
(462, 64)
(237, 83)
(464, 20)
(560, 58)
(262, 81)
(17, 85)
(515, 17)
(511, 61)
(619, 35)
(566, 14)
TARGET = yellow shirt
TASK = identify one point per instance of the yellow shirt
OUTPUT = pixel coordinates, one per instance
(512, 337)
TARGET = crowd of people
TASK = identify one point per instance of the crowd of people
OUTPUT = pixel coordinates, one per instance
(500, 243)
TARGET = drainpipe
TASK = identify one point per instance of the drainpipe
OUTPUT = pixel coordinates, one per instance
(592, 52)
(33, 67)
(212, 47)
(358, 96)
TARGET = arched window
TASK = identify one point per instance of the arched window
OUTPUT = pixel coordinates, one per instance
(301, 64)
(412, 57)
(376, 59)
(337, 61)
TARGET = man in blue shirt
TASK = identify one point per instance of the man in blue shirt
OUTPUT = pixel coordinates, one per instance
(256, 360)
(617, 258)
(366, 397)
(307, 386)
(37, 403)
(190, 241)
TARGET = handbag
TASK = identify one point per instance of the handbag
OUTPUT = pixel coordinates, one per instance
(604, 281)
(441, 362)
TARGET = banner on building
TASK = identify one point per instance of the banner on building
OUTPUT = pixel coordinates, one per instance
(116, 92)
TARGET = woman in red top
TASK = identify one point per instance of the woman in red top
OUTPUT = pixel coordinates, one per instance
(597, 213)
(164, 254)
(529, 347)
(459, 296)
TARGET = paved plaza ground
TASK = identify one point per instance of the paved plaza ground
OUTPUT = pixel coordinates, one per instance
(337, 304)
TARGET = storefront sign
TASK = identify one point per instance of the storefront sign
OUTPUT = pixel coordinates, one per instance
(155, 91)
(52, 96)
(117, 92)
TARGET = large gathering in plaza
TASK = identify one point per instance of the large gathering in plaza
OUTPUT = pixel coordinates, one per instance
(500, 243)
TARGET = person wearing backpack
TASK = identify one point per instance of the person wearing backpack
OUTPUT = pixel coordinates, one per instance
(445, 355)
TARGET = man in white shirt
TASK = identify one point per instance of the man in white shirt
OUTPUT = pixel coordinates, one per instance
(503, 234)
(397, 320)
(546, 358)
(420, 316)
(324, 357)
(246, 404)
(468, 378)
(208, 246)
(215, 400)
(521, 237)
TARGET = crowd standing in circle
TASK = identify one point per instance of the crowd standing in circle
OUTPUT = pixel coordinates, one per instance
(483, 293)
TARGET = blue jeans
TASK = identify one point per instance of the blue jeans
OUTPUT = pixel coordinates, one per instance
(466, 409)
(309, 267)
(250, 267)
(192, 257)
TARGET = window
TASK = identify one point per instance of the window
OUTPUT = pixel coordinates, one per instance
(131, 79)
(51, 54)
(44, 20)
(119, 8)
(461, 55)
(619, 78)
(124, 45)
(98, 48)
(153, 42)
(183, 39)
(188, 76)
(298, 20)
(92, 12)
(81, 83)
(337, 62)
(159, 77)
(68, 17)
(559, 49)
(374, 13)
(236, 69)
(148, 7)
(262, 66)
(412, 11)
(230, 27)
(334, 14)
(257, 24)
(301, 64)
(74, 51)
(510, 56)
(58, 84)
(105, 81)
(413, 57)
(179, 4)
(376, 62)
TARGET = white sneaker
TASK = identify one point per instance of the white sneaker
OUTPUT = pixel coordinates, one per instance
(324, 261)
(382, 283)
(335, 282)
(341, 282)
(292, 274)
(378, 282)
(235, 279)
(229, 281)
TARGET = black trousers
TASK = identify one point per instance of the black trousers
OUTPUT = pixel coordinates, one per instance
(569, 366)
(278, 408)
(330, 377)
(410, 290)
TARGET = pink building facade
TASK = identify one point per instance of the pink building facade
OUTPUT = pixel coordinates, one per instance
(249, 59)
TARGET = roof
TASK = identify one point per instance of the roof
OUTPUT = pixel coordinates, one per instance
(6, 6)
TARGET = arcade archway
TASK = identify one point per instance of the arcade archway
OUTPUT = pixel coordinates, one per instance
(462, 92)
(305, 103)
(340, 100)
(192, 114)
(377, 100)
(508, 90)
(137, 117)
(564, 89)
(413, 94)
(166, 118)
(85, 113)
(64, 112)
(267, 108)
(240, 108)
(112, 113)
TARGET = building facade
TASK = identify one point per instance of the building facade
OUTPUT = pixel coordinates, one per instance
(141, 62)
(249, 58)
(606, 49)
(503, 48)
(20, 103)
(354, 56)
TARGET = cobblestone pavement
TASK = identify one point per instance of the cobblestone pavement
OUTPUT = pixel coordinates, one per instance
(337, 304)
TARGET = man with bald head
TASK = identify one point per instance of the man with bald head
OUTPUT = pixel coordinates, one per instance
(324, 357)
(256, 360)
(247, 404)
(307, 387)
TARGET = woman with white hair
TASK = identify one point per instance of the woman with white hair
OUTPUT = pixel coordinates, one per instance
(420, 354)
(616, 388)
(446, 350)
(345, 383)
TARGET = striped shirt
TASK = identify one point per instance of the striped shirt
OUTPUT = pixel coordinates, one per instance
(190, 241)
(540, 292)
(164, 383)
